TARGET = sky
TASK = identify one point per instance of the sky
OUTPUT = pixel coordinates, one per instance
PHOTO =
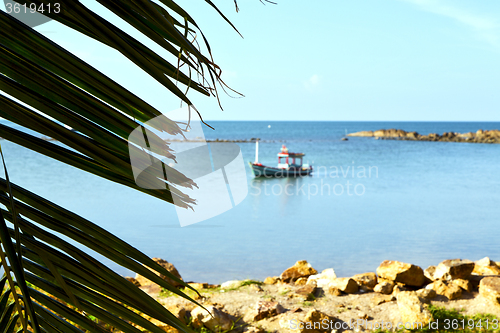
(334, 60)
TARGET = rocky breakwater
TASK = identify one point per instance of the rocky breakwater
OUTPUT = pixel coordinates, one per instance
(481, 136)
(301, 299)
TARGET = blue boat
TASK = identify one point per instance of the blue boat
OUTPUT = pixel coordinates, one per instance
(290, 166)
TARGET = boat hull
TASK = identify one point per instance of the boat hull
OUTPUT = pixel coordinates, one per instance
(267, 171)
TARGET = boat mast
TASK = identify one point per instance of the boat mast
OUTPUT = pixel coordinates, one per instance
(256, 151)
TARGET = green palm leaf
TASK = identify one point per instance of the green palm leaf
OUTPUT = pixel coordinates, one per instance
(50, 282)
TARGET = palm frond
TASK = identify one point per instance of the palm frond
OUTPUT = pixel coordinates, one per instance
(49, 283)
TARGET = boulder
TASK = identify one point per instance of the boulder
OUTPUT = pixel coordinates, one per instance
(401, 272)
(412, 309)
(466, 285)
(271, 280)
(314, 322)
(399, 287)
(346, 285)
(301, 281)
(429, 272)
(412, 135)
(263, 310)
(384, 287)
(133, 280)
(454, 269)
(489, 288)
(168, 266)
(366, 281)
(486, 266)
(216, 320)
(306, 291)
(231, 284)
(323, 279)
(446, 288)
(426, 293)
(301, 269)
(333, 291)
(177, 311)
(255, 287)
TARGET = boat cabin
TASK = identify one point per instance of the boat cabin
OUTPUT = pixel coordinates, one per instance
(290, 160)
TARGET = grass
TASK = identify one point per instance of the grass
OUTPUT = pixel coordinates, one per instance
(249, 282)
(283, 293)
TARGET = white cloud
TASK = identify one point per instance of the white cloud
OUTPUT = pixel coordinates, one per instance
(312, 82)
(485, 27)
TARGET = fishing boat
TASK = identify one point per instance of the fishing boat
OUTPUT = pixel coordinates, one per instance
(289, 165)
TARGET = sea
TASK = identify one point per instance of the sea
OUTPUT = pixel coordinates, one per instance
(367, 201)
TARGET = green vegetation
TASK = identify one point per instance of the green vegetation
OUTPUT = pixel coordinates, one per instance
(50, 282)
(249, 282)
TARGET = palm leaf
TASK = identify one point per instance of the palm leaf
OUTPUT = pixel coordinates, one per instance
(49, 283)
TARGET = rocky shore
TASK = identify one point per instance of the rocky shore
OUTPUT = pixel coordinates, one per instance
(395, 297)
(488, 136)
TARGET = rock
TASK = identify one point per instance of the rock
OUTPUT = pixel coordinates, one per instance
(401, 272)
(454, 269)
(313, 322)
(446, 288)
(489, 288)
(366, 280)
(301, 281)
(264, 309)
(384, 287)
(380, 299)
(486, 267)
(253, 329)
(255, 287)
(346, 285)
(429, 272)
(324, 278)
(398, 287)
(271, 280)
(133, 280)
(307, 291)
(490, 136)
(362, 133)
(152, 290)
(426, 293)
(177, 311)
(198, 286)
(168, 266)
(219, 320)
(412, 309)
(333, 291)
(231, 284)
(486, 261)
(464, 284)
(301, 269)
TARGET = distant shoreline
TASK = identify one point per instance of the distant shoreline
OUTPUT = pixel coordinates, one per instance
(481, 136)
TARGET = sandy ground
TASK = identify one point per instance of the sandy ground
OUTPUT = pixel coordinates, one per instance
(366, 309)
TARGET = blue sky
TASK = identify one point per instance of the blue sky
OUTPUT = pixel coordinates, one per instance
(409, 60)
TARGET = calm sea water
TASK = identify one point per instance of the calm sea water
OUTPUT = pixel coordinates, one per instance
(418, 202)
